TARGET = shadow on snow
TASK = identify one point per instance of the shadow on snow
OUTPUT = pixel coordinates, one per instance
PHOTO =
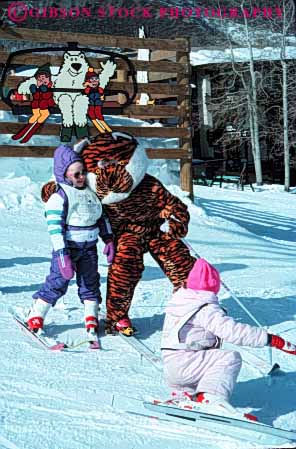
(262, 224)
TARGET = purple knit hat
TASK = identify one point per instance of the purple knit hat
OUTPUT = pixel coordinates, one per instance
(63, 157)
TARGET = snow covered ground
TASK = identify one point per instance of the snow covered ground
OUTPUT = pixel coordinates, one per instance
(79, 400)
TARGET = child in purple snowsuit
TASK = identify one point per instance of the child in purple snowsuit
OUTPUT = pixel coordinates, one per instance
(75, 219)
(200, 373)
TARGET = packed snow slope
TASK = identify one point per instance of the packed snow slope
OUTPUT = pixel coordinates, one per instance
(80, 399)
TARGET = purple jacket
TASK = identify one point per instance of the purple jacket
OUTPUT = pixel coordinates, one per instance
(68, 202)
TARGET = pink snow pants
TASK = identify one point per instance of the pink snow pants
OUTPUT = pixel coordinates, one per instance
(210, 371)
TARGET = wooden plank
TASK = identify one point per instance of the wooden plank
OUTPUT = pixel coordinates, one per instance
(153, 88)
(50, 129)
(166, 153)
(136, 111)
(152, 111)
(25, 151)
(43, 151)
(162, 54)
(87, 39)
(150, 66)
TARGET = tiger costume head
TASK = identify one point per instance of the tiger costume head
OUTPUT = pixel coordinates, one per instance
(115, 163)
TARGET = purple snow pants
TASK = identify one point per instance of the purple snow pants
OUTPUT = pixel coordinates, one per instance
(85, 259)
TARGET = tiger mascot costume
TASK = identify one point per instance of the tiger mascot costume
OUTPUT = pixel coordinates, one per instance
(137, 205)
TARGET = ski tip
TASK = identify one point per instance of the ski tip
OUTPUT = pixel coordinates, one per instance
(276, 367)
(94, 345)
(58, 347)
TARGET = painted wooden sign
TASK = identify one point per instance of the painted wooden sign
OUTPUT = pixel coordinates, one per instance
(77, 92)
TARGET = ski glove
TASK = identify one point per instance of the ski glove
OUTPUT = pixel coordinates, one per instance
(278, 342)
(109, 251)
(65, 265)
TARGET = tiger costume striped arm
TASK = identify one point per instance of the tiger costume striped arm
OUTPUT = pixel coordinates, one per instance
(176, 212)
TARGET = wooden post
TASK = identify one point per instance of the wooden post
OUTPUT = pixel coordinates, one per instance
(185, 122)
(122, 77)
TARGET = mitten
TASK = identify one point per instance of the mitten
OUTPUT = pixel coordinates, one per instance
(33, 88)
(109, 251)
(65, 265)
(279, 343)
(43, 88)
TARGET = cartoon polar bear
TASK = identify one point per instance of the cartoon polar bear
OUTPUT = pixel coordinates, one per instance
(73, 105)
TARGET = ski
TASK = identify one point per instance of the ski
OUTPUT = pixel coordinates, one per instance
(94, 345)
(143, 350)
(240, 429)
(43, 343)
(36, 337)
(31, 132)
(24, 130)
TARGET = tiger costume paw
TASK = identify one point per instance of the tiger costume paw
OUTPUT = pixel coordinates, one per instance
(47, 190)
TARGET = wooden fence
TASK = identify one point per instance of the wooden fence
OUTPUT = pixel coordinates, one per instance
(172, 99)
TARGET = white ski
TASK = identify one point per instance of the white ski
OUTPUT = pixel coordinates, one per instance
(240, 429)
(42, 341)
(36, 337)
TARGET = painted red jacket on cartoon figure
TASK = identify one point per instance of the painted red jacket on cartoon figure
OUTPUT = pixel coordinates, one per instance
(42, 97)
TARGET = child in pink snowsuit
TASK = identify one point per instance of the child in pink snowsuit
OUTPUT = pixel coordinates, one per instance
(194, 364)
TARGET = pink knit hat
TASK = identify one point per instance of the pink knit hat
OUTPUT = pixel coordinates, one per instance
(204, 276)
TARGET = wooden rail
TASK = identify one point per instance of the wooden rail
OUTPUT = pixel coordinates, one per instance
(50, 129)
(151, 88)
(89, 39)
(142, 112)
(151, 66)
(44, 151)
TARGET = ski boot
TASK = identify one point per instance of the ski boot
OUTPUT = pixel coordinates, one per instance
(123, 326)
(211, 403)
(37, 314)
(91, 320)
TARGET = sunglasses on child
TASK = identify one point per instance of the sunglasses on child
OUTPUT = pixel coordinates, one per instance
(77, 174)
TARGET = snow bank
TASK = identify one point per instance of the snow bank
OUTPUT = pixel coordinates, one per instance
(200, 57)
(21, 184)
(19, 192)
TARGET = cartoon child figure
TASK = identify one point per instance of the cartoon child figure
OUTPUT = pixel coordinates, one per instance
(42, 97)
(96, 97)
(42, 101)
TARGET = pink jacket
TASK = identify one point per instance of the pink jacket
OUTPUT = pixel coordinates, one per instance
(194, 320)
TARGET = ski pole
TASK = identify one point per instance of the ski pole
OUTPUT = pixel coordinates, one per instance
(273, 367)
